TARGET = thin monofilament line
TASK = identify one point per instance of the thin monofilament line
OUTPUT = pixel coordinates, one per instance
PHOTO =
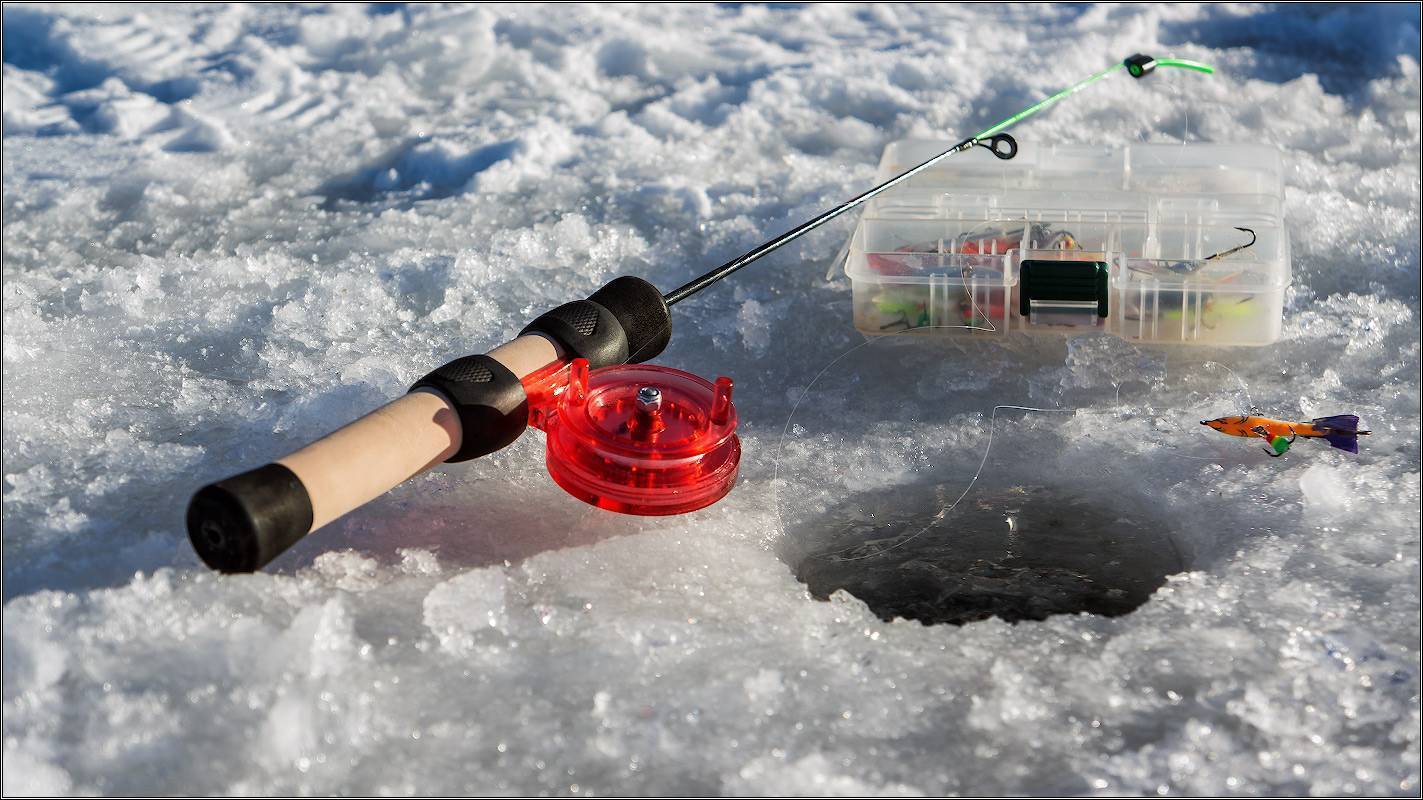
(944, 512)
(1250, 406)
(1044, 103)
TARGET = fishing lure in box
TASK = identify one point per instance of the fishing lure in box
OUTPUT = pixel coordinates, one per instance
(974, 255)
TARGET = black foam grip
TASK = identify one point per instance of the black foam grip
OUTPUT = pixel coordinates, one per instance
(642, 313)
(489, 399)
(241, 523)
(584, 329)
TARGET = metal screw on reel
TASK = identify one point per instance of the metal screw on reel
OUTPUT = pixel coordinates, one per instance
(649, 399)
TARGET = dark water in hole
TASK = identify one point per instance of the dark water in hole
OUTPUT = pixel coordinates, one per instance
(1022, 553)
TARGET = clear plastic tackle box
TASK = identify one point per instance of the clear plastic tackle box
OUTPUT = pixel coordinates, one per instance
(1158, 243)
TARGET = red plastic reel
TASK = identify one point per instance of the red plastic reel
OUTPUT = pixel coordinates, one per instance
(643, 439)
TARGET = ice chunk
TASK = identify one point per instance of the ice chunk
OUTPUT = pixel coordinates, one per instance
(1325, 488)
(458, 609)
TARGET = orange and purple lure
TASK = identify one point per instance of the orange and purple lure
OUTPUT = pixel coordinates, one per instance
(1341, 431)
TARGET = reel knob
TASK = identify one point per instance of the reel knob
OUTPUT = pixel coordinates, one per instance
(643, 439)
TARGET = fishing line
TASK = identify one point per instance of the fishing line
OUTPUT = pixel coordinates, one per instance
(939, 516)
(1252, 409)
(1173, 451)
(943, 512)
(975, 312)
(1249, 402)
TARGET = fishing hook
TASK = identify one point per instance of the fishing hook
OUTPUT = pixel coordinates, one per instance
(1264, 434)
(1188, 267)
(1235, 249)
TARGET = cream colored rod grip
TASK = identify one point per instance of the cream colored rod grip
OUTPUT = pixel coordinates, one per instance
(369, 457)
(241, 523)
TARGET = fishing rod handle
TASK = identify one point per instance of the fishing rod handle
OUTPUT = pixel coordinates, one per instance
(243, 522)
(467, 408)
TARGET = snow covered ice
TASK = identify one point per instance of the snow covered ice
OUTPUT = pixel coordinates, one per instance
(230, 229)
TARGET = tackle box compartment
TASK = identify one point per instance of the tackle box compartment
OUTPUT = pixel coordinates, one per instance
(1160, 243)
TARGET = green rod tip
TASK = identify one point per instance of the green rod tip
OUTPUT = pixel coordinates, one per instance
(1185, 64)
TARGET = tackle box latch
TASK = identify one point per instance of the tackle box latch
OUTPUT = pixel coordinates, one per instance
(1058, 285)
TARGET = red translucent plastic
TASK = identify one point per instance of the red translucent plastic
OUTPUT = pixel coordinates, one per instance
(543, 387)
(607, 448)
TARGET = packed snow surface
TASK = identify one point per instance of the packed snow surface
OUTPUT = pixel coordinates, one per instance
(230, 229)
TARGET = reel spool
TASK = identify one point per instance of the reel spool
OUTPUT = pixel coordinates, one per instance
(639, 438)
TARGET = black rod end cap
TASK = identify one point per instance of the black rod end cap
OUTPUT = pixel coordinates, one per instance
(242, 523)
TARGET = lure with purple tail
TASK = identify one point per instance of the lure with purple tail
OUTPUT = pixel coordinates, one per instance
(1341, 431)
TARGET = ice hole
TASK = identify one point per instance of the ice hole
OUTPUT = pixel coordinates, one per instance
(1016, 553)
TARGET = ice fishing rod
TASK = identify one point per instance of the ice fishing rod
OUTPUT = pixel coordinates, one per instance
(1000, 144)
(621, 434)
